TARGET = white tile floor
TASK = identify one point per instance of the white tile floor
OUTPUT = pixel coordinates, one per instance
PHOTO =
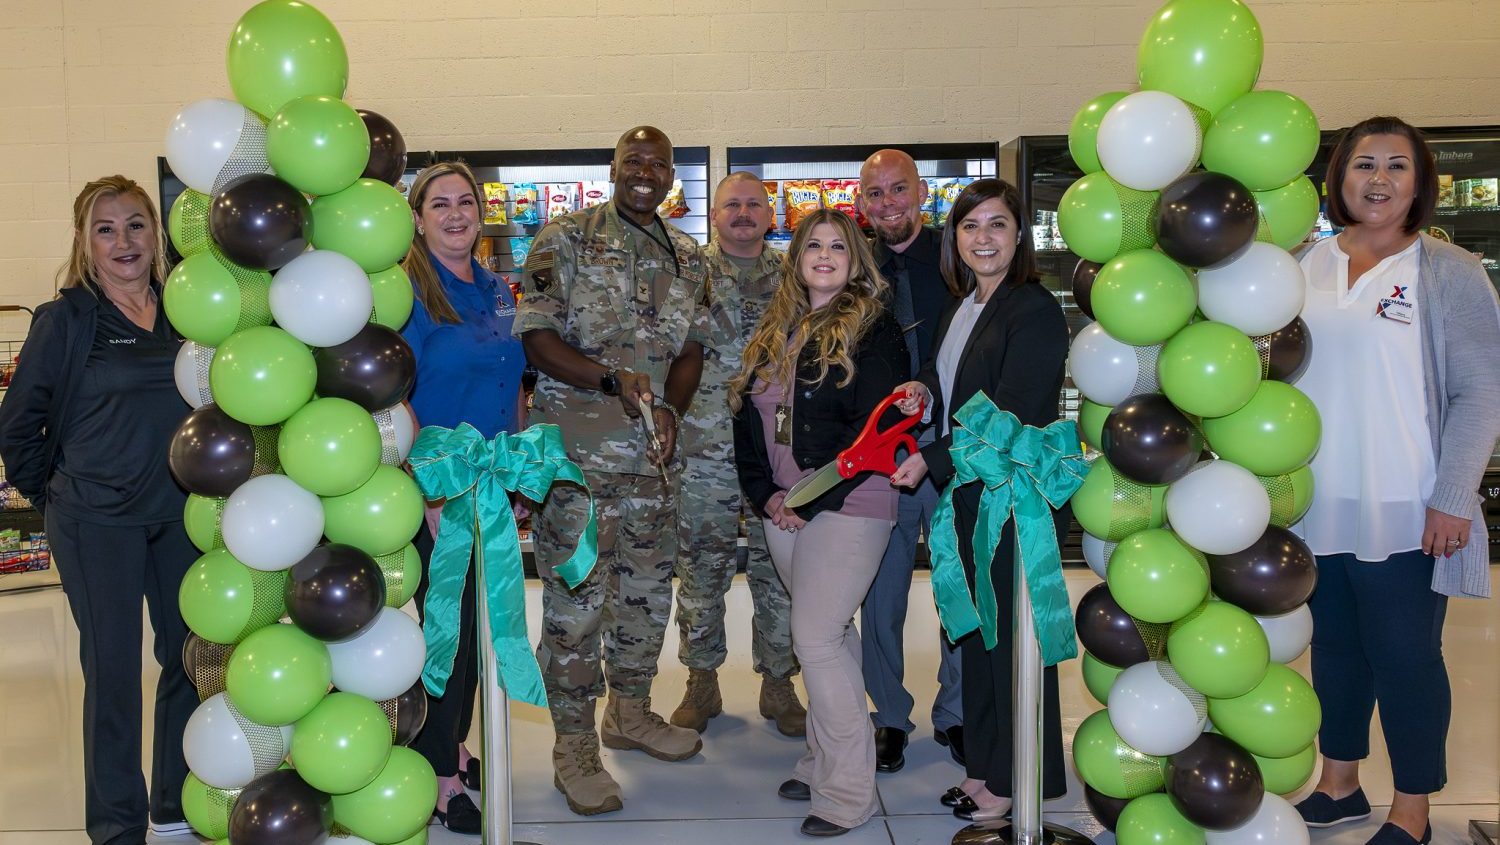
(727, 794)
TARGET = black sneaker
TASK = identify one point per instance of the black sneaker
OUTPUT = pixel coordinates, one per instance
(462, 816)
(1323, 810)
(1390, 834)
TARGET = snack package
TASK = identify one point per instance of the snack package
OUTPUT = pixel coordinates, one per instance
(947, 192)
(839, 194)
(561, 198)
(1484, 193)
(779, 241)
(803, 197)
(773, 199)
(675, 205)
(495, 195)
(594, 193)
(929, 205)
(1446, 197)
(519, 247)
(525, 196)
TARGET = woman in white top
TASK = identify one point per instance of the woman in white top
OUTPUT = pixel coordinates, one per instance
(1403, 370)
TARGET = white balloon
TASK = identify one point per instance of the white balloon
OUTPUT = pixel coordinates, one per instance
(321, 298)
(1257, 293)
(1275, 823)
(226, 750)
(1289, 633)
(208, 136)
(1154, 710)
(1096, 553)
(1218, 508)
(405, 429)
(191, 373)
(383, 660)
(1148, 140)
(1108, 371)
(270, 523)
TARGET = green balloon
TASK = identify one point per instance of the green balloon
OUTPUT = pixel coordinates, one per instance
(187, 223)
(1278, 717)
(1285, 775)
(1209, 369)
(1112, 507)
(1291, 495)
(342, 744)
(1207, 52)
(207, 808)
(278, 675)
(393, 297)
(1091, 416)
(200, 516)
(284, 49)
(1152, 820)
(1099, 218)
(319, 144)
(1142, 297)
(1156, 577)
(330, 447)
(1277, 431)
(1107, 764)
(1265, 139)
(1289, 212)
(1219, 649)
(207, 301)
(379, 517)
(402, 570)
(369, 221)
(1098, 677)
(394, 806)
(223, 600)
(261, 376)
(1083, 134)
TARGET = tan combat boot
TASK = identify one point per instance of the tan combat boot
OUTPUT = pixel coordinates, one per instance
(580, 776)
(778, 701)
(701, 702)
(630, 723)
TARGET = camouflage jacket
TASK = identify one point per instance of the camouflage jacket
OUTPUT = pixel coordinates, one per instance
(620, 297)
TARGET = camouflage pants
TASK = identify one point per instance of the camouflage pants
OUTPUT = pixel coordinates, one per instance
(708, 518)
(617, 617)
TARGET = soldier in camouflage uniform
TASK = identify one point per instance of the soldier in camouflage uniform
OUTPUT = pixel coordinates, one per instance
(743, 274)
(613, 315)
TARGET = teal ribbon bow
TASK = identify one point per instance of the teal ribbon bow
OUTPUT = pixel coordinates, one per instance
(475, 475)
(1027, 472)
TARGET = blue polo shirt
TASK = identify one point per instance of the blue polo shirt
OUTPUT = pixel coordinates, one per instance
(468, 371)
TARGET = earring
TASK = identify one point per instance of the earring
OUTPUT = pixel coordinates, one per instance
(421, 231)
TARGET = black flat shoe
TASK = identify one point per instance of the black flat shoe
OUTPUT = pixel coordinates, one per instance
(954, 797)
(1323, 810)
(814, 826)
(1390, 834)
(890, 748)
(953, 740)
(469, 777)
(794, 790)
(461, 816)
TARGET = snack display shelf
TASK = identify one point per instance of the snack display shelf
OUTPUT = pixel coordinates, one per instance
(25, 560)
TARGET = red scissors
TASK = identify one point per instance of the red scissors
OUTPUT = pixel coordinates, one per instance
(873, 451)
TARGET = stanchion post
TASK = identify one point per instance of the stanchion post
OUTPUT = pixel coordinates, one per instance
(495, 803)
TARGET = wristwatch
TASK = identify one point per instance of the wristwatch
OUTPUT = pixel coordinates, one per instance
(609, 383)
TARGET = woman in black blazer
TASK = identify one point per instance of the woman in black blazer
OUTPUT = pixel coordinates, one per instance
(1004, 335)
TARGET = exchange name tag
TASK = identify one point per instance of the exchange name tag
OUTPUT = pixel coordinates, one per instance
(1398, 310)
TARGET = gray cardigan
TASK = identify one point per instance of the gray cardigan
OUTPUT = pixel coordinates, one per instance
(1460, 317)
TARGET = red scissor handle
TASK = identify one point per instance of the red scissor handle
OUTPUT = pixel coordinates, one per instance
(875, 450)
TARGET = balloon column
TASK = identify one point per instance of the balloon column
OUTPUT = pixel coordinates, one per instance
(1193, 192)
(304, 517)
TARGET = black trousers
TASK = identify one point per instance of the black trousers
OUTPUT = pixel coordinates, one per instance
(450, 715)
(105, 570)
(987, 690)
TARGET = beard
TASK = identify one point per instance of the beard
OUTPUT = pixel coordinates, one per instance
(896, 233)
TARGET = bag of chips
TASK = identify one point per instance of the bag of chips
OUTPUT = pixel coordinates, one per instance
(773, 199)
(803, 197)
(838, 194)
(562, 198)
(594, 193)
(929, 205)
(524, 194)
(495, 195)
(675, 205)
(948, 191)
(519, 247)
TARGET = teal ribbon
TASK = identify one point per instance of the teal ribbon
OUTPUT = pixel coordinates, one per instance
(475, 475)
(1027, 472)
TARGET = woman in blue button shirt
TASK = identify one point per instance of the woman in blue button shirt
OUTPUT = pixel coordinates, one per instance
(468, 371)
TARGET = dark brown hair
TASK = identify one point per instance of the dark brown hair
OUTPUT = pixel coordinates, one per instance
(956, 273)
(1426, 170)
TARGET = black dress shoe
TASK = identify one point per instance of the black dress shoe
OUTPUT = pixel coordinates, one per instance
(794, 790)
(461, 816)
(469, 777)
(814, 826)
(954, 797)
(1390, 834)
(890, 748)
(953, 740)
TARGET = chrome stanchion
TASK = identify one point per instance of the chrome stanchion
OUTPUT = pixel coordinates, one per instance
(494, 802)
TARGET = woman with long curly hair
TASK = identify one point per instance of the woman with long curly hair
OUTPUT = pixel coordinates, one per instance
(824, 355)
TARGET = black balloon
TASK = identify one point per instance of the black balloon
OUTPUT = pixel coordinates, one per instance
(1111, 634)
(212, 453)
(1285, 352)
(205, 663)
(1215, 783)
(1275, 575)
(387, 149)
(1149, 441)
(407, 713)
(279, 808)
(1205, 219)
(1084, 275)
(1105, 808)
(334, 592)
(374, 369)
(260, 221)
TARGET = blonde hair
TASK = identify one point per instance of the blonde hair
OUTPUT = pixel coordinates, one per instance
(79, 269)
(418, 260)
(790, 324)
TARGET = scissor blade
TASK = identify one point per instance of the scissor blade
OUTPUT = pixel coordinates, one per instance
(813, 486)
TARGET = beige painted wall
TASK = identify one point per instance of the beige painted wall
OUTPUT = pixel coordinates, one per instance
(87, 87)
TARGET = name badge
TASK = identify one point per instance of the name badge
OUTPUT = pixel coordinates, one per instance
(1396, 307)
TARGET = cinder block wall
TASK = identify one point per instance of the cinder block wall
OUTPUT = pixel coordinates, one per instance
(87, 87)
